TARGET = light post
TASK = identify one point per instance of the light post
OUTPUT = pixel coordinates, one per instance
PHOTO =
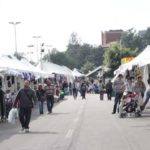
(14, 24)
(49, 53)
(42, 51)
(30, 52)
(37, 48)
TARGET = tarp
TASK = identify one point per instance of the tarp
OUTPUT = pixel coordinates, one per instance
(54, 68)
(11, 65)
(76, 73)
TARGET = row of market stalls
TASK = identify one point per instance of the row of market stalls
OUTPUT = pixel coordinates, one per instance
(13, 72)
(140, 64)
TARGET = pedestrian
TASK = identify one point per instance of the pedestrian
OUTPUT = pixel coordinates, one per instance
(140, 87)
(147, 95)
(2, 103)
(8, 102)
(49, 93)
(109, 89)
(75, 90)
(101, 89)
(83, 90)
(40, 93)
(70, 88)
(119, 88)
(65, 87)
(25, 101)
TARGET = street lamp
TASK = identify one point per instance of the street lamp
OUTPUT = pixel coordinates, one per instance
(14, 24)
(42, 51)
(37, 50)
(49, 53)
(30, 52)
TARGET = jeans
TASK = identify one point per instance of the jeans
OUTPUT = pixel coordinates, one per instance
(101, 95)
(109, 94)
(50, 103)
(75, 93)
(146, 99)
(83, 94)
(41, 104)
(25, 116)
(2, 109)
(118, 97)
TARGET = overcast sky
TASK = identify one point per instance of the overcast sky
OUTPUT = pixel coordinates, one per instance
(55, 20)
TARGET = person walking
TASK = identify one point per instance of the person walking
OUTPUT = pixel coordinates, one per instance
(140, 86)
(101, 89)
(2, 103)
(40, 93)
(49, 93)
(109, 89)
(25, 101)
(147, 96)
(75, 90)
(140, 89)
(83, 90)
(70, 88)
(119, 88)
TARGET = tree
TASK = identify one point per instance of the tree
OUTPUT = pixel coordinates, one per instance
(146, 37)
(113, 56)
(74, 40)
(88, 66)
(131, 40)
(59, 58)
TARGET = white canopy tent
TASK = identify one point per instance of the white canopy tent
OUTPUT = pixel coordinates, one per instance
(57, 69)
(36, 70)
(76, 73)
(142, 60)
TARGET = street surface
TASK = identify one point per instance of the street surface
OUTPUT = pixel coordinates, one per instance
(79, 125)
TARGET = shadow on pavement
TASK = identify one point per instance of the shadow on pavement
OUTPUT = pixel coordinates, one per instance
(39, 132)
(7, 130)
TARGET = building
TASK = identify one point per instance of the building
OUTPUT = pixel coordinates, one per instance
(111, 36)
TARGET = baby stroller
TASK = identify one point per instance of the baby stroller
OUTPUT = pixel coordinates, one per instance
(129, 105)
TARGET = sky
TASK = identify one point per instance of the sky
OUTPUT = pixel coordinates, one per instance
(55, 20)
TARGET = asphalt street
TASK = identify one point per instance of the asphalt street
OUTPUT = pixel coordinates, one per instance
(79, 125)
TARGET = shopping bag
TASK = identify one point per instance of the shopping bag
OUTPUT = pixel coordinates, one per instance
(13, 114)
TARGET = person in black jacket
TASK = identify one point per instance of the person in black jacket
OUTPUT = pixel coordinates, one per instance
(25, 100)
(109, 89)
(83, 90)
(40, 93)
(2, 103)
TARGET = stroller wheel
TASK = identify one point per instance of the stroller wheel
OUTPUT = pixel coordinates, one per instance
(138, 114)
(122, 115)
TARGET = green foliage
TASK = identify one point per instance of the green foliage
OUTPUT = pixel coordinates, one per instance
(146, 37)
(59, 58)
(114, 54)
(77, 55)
(88, 66)
(80, 54)
(132, 40)
(74, 40)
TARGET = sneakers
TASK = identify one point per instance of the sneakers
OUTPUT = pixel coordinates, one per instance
(26, 130)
